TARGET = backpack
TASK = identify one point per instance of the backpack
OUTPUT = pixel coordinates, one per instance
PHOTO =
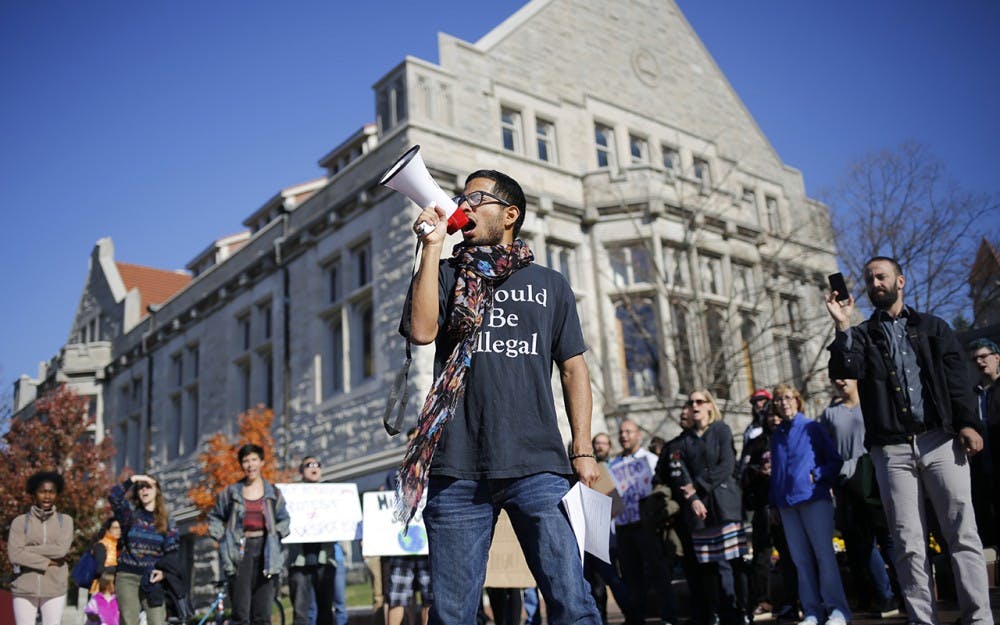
(85, 571)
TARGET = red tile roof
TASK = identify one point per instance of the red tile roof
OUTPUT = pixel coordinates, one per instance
(155, 285)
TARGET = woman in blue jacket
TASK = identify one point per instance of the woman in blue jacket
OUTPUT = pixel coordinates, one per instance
(804, 466)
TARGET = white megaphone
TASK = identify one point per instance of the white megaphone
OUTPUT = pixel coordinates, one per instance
(410, 177)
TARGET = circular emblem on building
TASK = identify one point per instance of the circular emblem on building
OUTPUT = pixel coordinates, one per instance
(645, 67)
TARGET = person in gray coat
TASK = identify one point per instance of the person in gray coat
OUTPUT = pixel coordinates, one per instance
(249, 520)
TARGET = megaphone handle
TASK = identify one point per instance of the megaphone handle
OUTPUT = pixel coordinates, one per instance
(423, 229)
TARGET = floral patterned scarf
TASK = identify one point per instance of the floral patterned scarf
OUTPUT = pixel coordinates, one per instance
(480, 269)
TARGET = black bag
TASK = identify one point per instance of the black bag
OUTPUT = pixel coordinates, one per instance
(85, 571)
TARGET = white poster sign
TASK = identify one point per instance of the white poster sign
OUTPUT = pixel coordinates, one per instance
(321, 512)
(383, 536)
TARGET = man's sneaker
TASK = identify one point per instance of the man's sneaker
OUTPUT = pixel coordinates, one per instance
(836, 618)
(887, 607)
(763, 611)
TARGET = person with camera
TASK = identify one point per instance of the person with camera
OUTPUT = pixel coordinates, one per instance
(921, 427)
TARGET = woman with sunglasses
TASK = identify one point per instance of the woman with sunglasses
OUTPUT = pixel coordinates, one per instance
(712, 504)
(804, 466)
(147, 535)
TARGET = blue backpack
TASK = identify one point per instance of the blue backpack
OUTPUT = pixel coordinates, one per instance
(85, 571)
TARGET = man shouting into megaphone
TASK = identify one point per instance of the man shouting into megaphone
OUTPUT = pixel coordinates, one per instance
(487, 433)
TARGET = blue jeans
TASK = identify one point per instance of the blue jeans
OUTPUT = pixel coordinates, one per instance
(532, 611)
(809, 532)
(460, 516)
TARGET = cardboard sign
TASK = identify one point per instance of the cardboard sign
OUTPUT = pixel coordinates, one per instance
(506, 567)
(383, 536)
(606, 486)
(321, 512)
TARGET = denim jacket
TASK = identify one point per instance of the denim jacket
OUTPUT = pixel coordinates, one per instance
(225, 524)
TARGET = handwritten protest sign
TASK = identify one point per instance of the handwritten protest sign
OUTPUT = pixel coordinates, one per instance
(506, 567)
(634, 479)
(321, 512)
(383, 536)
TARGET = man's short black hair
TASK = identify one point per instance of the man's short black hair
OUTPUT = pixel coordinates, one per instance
(888, 259)
(507, 189)
(248, 449)
(36, 480)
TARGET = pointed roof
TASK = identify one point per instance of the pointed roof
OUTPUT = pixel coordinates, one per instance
(155, 285)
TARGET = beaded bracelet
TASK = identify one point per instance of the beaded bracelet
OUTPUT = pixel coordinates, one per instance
(573, 457)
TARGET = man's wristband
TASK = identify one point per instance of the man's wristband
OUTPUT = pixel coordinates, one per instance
(573, 457)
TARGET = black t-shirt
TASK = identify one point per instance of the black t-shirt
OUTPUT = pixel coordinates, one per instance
(505, 425)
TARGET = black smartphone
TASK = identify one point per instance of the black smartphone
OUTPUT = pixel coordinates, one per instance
(838, 284)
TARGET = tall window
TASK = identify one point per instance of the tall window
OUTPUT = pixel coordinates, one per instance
(711, 274)
(715, 323)
(334, 378)
(264, 314)
(333, 280)
(743, 282)
(683, 361)
(545, 135)
(604, 139)
(773, 214)
(749, 202)
(510, 129)
(244, 385)
(671, 158)
(243, 326)
(361, 259)
(796, 372)
(638, 347)
(702, 173)
(675, 263)
(390, 104)
(362, 342)
(748, 331)
(560, 257)
(638, 149)
(631, 264)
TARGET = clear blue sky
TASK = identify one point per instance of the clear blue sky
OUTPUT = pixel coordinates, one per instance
(164, 124)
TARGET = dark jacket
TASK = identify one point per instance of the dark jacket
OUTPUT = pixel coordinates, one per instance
(948, 398)
(754, 482)
(709, 462)
(804, 462)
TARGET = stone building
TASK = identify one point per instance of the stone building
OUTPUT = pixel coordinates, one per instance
(116, 297)
(696, 257)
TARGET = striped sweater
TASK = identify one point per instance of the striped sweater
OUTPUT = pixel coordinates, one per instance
(140, 545)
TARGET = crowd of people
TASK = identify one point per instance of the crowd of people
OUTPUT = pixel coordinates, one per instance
(896, 443)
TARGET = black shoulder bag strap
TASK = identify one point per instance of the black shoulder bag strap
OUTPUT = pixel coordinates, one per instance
(398, 394)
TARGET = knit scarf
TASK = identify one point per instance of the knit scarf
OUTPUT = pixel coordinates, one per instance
(480, 269)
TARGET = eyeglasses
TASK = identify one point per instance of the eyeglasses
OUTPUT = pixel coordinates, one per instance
(475, 199)
(312, 465)
(145, 485)
(695, 402)
(984, 356)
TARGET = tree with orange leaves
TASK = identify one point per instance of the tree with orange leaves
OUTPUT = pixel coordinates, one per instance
(58, 437)
(220, 468)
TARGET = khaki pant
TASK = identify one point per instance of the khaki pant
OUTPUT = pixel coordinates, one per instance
(932, 466)
(131, 601)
